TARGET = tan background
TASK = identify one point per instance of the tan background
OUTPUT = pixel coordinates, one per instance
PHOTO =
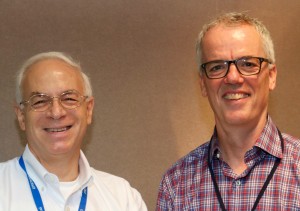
(140, 57)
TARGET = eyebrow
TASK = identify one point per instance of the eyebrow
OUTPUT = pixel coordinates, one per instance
(66, 91)
(36, 93)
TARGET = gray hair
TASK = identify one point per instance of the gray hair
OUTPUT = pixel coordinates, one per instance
(232, 19)
(50, 55)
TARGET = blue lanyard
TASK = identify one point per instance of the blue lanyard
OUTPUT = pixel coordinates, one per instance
(36, 194)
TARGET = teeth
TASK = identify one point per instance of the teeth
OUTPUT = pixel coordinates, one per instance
(236, 96)
(57, 129)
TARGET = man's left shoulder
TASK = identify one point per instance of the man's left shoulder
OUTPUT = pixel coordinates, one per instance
(291, 141)
(107, 177)
(112, 182)
(118, 188)
(291, 147)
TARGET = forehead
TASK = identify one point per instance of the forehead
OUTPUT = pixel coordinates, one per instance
(51, 76)
(226, 27)
(232, 41)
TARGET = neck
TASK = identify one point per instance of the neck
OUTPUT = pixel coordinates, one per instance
(235, 141)
(66, 168)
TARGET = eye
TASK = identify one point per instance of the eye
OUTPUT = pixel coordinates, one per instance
(39, 101)
(216, 67)
(249, 63)
(70, 98)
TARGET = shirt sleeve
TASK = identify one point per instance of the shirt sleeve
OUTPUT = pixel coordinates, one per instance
(164, 202)
(117, 193)
(135, 201)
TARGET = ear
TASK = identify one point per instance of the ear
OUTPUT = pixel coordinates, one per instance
(89, 109)
(272, 77)
(20, 116)
(202, 85)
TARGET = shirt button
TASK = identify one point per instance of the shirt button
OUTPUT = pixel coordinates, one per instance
(67, 208)
(238, 183)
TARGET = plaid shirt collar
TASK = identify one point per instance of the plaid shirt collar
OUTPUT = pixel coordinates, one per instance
(269, 140)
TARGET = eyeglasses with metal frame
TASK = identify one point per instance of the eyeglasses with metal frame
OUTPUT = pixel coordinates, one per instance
(245, 65)
(70, 99)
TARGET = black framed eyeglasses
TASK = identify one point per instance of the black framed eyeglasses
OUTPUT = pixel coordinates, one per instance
(41, 102)
(245, 65)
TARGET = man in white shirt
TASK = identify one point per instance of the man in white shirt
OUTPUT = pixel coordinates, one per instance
(54, 107)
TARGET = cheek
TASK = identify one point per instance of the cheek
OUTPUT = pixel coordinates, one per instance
(31, 128)
(29, 124)
(263, 85)
(33, 120)
(211, 88)
(82, 117)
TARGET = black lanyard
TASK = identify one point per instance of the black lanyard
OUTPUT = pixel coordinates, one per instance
(262, 189)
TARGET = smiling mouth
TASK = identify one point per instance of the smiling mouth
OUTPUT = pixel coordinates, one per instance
(56, 130)
(236, 96)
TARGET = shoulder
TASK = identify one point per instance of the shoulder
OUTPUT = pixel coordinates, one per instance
(8, 166)
(118, 188)
(291, 157)
(194, 161)
(291, 147)
(10, 173)
(108, 179)
(11, 178)
(291, 140)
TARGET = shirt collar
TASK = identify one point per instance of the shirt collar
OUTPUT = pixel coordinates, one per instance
(40, 175)
(269, 140)
(35, 169)
(85, 174)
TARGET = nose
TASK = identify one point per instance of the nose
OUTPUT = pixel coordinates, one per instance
(233, 76)
(56, 110)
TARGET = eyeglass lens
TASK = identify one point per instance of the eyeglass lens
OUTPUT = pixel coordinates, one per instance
(68, 100)
(246, 66)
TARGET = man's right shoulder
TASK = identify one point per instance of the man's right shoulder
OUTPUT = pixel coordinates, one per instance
(9, 170)
(8, 165)
(196, 160)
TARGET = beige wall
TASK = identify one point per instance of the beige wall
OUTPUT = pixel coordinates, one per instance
(140, 56)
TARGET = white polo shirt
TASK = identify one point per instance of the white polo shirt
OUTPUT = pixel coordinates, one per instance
(106, 192)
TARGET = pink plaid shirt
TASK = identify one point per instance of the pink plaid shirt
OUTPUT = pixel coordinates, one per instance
(187, 185)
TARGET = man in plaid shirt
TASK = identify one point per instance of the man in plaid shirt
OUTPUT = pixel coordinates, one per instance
(248, 164)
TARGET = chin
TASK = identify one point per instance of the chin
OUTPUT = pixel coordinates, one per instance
(61, 149)
(237, 119)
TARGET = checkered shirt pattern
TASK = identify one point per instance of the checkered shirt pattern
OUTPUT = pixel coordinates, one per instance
(187, 185)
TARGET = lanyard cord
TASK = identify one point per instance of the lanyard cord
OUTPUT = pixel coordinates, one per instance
(36, 194)
(264, 186)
